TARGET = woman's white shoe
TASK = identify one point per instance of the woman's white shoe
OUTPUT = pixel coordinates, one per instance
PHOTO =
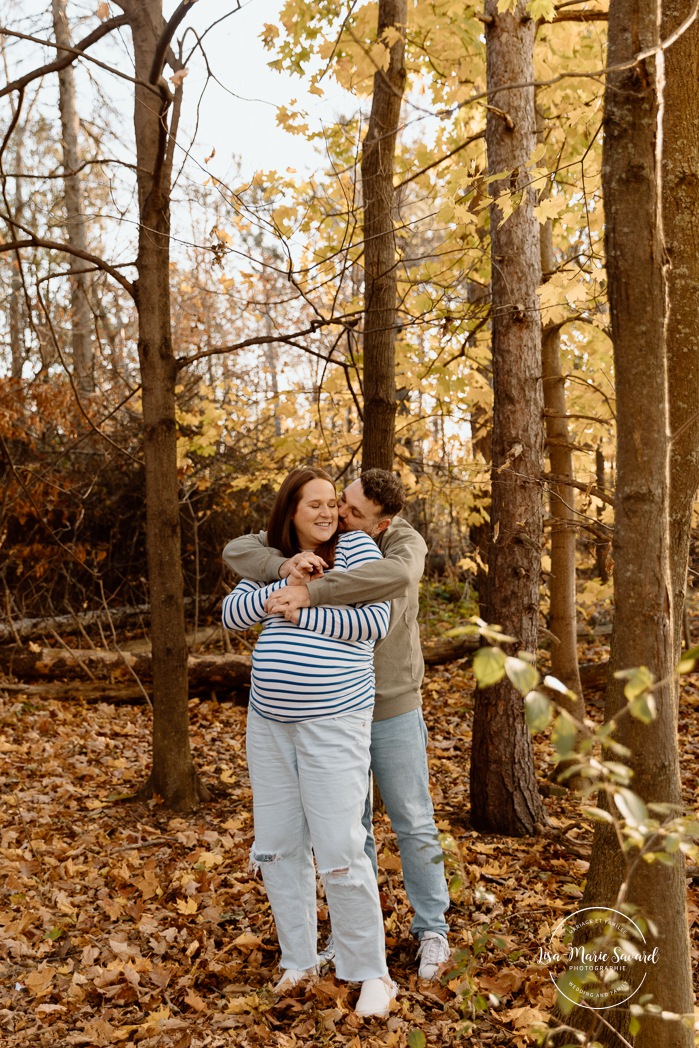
(292, 977)
(376, 996)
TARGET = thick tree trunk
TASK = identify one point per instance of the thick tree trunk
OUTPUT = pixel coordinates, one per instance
(81, 316)
(172, 776)
(643, 627)
(681, 219)
(504, 793)
(563, 614)
(380, 277)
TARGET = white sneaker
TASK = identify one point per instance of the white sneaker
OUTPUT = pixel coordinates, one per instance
(376, 996)
(433, 953)
(328, 952)
(292, 977)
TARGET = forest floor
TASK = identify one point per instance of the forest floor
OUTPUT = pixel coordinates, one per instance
(125, 924)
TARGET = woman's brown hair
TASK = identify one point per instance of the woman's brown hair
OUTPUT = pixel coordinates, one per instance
(281, 533)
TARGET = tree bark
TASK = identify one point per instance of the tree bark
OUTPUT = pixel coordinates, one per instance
(81, 315)
(173, 776)
(643, 593)
(504, 793)
(681, 220)
(563, 613)
(380, 276)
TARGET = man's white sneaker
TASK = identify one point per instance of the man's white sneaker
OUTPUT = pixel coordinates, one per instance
(292, 977)
(433, 953)
(376, 996)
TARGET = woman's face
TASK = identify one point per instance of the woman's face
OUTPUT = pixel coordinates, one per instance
(315, 518)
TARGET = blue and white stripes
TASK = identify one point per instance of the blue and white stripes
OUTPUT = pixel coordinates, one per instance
(322, 667)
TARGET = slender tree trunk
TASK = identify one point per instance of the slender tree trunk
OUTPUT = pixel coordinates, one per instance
(81, 315)
(380, 277)
(504, 793)
(15, 317)
(173, 776)
(563, 615)
(643, 626)
(601, 548)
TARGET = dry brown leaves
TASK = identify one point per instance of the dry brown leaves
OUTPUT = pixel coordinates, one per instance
(123, 924)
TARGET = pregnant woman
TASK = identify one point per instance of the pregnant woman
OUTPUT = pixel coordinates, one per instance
(308, 736)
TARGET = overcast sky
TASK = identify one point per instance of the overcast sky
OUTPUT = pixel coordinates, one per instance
(242, 119)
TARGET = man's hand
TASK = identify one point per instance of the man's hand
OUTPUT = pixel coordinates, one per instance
(302, 568)
(287, 602)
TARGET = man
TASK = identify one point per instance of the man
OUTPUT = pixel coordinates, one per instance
(399, 736)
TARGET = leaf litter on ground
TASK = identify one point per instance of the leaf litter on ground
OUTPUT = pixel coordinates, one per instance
(123, 923)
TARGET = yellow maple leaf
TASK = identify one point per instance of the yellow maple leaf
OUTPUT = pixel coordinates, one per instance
(187, 905)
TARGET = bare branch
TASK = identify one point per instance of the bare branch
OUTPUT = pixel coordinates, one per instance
(55, 245)
(263, 340)
(70, 55)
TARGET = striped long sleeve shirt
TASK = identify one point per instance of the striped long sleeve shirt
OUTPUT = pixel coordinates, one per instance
(323, 666)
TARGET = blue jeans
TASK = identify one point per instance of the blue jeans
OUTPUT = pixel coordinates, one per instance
(309, 788)
(399, 763)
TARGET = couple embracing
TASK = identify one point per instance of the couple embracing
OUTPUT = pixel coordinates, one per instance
(335, 695)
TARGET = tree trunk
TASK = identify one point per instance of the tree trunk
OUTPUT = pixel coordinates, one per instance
(81, 315)
(643, 627)
(504, 793)
(601, 548)
(380, 277)
(173, 776)
(681, 219)
(563, 614)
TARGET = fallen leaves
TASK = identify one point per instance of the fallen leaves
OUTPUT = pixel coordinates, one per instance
(121, 923)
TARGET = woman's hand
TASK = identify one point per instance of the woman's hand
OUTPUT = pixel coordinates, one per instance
(302, 568)
(287, 602)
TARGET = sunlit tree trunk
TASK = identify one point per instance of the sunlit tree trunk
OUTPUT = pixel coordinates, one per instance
(80, 314)
(504, 792)
(643, 591)
(380, 276)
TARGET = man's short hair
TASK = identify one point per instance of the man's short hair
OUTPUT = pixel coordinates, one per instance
(385, 489)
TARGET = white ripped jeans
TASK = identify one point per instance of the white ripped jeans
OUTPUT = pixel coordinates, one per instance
(309, 785)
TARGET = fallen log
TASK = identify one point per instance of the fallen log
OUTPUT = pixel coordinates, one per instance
(116, 694)
(204, 671)
(448, 649)
(25, 629)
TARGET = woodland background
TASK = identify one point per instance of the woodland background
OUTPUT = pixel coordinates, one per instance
(490, 285)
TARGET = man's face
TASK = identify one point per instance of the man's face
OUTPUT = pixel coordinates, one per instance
(358, 513)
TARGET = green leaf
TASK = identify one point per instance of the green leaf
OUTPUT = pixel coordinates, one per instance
(523, 675)
(688, 660)
(631, 807)
(493, 634)
(417, 1039)
(644, 708)
(563, 735)
(637, 680)
(488, 666)
(537, 711)
(601, 814)
(556, 685)
(461, 631)
(53, 934)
